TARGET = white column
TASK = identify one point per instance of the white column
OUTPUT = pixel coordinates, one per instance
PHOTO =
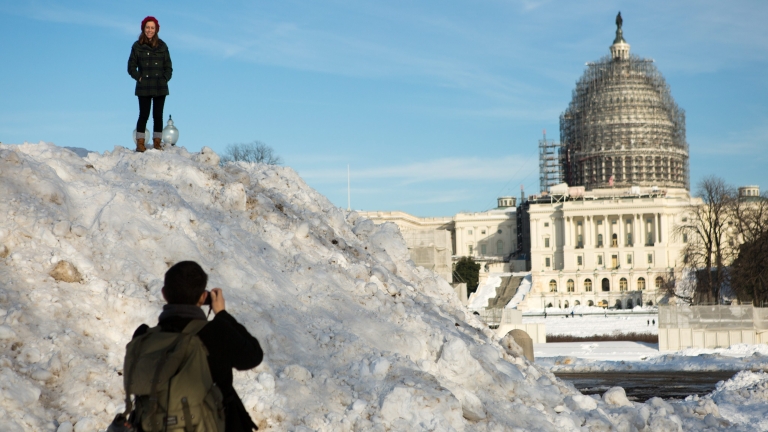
(534, 235)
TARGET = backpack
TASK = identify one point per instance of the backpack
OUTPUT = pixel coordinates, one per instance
(169, 375)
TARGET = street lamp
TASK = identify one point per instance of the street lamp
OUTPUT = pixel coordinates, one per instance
(170, 133)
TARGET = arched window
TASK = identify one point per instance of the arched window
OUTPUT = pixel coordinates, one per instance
(565, 304)
(606, 284)
(641, 283)
(500, 247)
(590, 303)
(659, 282)
(617, 305)
(629, 304)
(614, 241)
(623, 284)
(588, 285)
(570, 286)
(549, 304)
(577, 303)
(552, 286)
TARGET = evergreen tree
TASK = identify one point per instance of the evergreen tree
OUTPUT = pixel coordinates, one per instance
(468, 271)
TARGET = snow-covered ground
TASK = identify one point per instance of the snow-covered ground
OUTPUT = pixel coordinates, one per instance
(637, 356)
(557, 353)
(599, 324)
(356, 336)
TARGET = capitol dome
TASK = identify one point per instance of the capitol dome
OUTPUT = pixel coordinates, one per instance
(622, 127)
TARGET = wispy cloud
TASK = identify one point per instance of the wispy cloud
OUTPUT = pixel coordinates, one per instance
(492, 169)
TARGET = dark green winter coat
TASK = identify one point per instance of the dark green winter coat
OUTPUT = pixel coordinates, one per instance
(152, 66)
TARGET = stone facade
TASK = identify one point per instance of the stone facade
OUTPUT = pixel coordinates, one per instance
(607, 247)
(489, 237)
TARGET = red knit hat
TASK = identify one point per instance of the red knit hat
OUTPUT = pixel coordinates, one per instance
(153, 19)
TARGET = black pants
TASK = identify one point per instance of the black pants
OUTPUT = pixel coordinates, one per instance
(157, 103)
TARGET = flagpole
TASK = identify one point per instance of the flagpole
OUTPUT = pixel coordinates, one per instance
(349, 196)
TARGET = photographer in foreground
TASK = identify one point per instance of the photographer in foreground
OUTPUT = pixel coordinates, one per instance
(181, 370)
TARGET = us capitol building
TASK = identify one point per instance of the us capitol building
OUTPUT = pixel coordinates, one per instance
(602, 231)
(616, 186)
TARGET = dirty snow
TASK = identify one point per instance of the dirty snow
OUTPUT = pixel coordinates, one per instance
(356, 336)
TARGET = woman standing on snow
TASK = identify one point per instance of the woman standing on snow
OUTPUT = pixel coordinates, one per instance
(150, 65)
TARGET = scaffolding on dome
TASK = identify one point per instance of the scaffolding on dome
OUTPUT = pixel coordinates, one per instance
(550, 166)
(623, 128)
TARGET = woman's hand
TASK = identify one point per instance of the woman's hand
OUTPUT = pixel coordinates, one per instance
(217, 300)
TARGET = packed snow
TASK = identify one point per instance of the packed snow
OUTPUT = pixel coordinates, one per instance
(356, 336)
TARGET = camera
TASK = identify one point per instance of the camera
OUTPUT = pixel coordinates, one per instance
(208, 299)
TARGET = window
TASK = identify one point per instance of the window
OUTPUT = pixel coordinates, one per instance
(546, 224)
(469, 232)
(552, 286)
(599, 260)
(685, 237)
(614, 241)
(629, 258)
(650, 258)
(600, 222)
(599, 240)
(613, 222)
(546, 242)
(482, 249)
(500, 247)
(498, 232)
(588, 285)
(629, 239)
(659, 282)
(606, 284)
(579, 260)
(685, 219)
(623, 284)
(579, 241)
(547, 262)
(641, 283)
(570, 285)
(482, 232)
(470, 249)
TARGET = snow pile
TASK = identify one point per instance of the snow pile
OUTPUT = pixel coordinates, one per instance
(487, 290)
(521, 293)
(356, 336)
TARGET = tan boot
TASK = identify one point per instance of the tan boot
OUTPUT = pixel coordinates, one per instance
(140, 145)
(156, 142)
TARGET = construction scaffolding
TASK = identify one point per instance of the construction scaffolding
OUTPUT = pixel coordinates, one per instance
(622, 127)
(550, 166)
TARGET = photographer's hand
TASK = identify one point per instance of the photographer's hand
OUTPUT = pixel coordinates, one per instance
(217, 300)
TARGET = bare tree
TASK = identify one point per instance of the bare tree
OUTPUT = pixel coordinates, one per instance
(750, 216)
(749, 272)
(256, 151)
(705, 229)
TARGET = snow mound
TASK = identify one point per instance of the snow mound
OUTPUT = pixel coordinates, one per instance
(356, 336)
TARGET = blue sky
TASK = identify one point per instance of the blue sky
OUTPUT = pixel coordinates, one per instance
(437, 106)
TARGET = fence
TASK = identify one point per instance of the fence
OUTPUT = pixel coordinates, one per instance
(716, 326)
(498, 316)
